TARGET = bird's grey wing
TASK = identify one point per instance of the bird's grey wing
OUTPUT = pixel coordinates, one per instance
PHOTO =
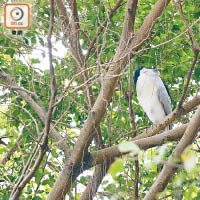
(164, 99)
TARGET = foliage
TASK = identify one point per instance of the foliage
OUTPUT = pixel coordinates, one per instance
(167, 49)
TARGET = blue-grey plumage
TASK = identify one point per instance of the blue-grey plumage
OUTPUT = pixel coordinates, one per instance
(153, 94)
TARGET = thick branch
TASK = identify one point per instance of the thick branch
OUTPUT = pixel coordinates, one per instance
(144, 143)
(92, 186)
(129, 20)
(169, 170)
(143, 33)
(12, 84)
(71, 30)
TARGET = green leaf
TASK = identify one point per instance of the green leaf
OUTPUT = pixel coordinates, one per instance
(128, 147)
(116, 167)
(11, 52)
(35, 60)
(37, 198)
(189, 158)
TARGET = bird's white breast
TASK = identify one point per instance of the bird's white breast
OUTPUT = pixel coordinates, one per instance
(147, 87)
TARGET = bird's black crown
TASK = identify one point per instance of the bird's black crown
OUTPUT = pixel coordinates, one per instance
(137, 74)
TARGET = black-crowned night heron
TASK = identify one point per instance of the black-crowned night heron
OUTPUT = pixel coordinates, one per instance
(153, 94)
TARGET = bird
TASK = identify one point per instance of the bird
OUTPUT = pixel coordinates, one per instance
(153, 94)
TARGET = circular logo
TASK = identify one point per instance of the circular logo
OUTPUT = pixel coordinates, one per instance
(16, 14)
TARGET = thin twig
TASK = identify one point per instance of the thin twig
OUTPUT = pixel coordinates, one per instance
(70, 82)
(194, 42)
(20, 88)
(42, 174)
(31, 116)
(100, 29)
(196, 53)
(196, 50)
(129, 134)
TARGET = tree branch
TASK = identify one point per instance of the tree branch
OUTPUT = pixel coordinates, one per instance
(26, 176)
(196, 53)
(113, 151)
(169, 170)
(11, 151)
(92, 186)
(20, 186)
(143, 143)
(143, 33)
(129, 20)
(71, 30)
(52, 76)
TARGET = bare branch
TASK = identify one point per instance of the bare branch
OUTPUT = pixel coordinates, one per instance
(12, 84)
(143, 33)
(22, 89)
(71, 29)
